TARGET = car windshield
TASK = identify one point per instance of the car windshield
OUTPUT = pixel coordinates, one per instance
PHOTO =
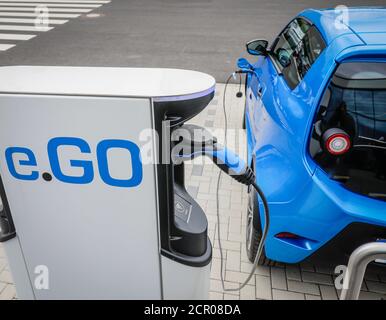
(355, 101)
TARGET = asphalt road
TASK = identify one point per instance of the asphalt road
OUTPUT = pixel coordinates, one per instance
(205, 35)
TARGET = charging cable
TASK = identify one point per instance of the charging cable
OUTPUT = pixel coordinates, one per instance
(239, 93)
(250, 181)
(229, 162)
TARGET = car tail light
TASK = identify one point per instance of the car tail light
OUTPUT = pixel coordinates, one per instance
(336, 141)
(286, 235)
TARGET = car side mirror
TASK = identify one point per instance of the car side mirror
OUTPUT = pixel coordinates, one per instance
(244, 65)
(257, 47)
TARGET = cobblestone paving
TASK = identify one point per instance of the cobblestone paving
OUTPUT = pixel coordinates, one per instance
(304, 281)
(7, 289)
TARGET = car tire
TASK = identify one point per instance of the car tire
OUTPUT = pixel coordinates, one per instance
(253, 230)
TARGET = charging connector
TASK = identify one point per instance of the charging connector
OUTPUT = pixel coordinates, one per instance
(230, 163)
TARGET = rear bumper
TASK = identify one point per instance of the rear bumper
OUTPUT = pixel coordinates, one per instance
(339, 248)
(331, 221)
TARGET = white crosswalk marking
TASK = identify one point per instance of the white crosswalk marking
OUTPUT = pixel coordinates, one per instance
(22, 15)
(49, 5)
(49, 21)
(60, 1)
(17, 36)
(34, 14)
(4, 46)
(23, 28)
(51, 9)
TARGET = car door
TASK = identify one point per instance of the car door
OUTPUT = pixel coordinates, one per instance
(277, 109)
(265, 76)
(254, 95)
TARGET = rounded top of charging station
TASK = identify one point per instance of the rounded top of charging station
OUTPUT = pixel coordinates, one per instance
(157, 83)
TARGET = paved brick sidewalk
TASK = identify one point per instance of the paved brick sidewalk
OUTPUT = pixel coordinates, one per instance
(7, 289)
(284, 282)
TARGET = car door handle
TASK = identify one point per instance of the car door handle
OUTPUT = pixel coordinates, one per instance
(260, 91)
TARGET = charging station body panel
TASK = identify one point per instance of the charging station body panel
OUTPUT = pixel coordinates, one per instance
(83, 215)
(95, 239)
(178, 277)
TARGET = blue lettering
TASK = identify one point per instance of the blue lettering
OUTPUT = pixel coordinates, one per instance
(31, 161)
(88, 172)
(136, 177)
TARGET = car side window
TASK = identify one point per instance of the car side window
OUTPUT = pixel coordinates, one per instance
(296, 49)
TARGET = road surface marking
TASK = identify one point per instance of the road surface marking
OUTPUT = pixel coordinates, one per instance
(4, 47)
(51, 9)
(19, 36)
(33, 14)
(23, 28)
(33, 21)
(49, 5)
(15, 13)
(61, 1)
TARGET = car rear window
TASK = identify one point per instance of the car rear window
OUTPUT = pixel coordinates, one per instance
(355, 102)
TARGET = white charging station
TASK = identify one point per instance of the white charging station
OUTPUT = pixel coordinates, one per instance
(82, 216)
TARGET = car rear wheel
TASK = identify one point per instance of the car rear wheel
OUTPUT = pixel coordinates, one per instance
(254, 232)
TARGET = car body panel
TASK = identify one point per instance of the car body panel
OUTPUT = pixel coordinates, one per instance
(302, 198)
(355, 20)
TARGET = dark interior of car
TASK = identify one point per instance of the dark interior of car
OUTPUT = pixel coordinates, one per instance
(355, 102)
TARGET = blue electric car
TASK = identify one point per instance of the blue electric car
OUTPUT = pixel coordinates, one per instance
(315, 119)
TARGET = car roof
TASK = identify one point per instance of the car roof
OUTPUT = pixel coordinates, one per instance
(367, 23)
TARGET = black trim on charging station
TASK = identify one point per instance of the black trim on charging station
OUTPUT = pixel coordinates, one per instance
(7, 228)
(178, 112)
